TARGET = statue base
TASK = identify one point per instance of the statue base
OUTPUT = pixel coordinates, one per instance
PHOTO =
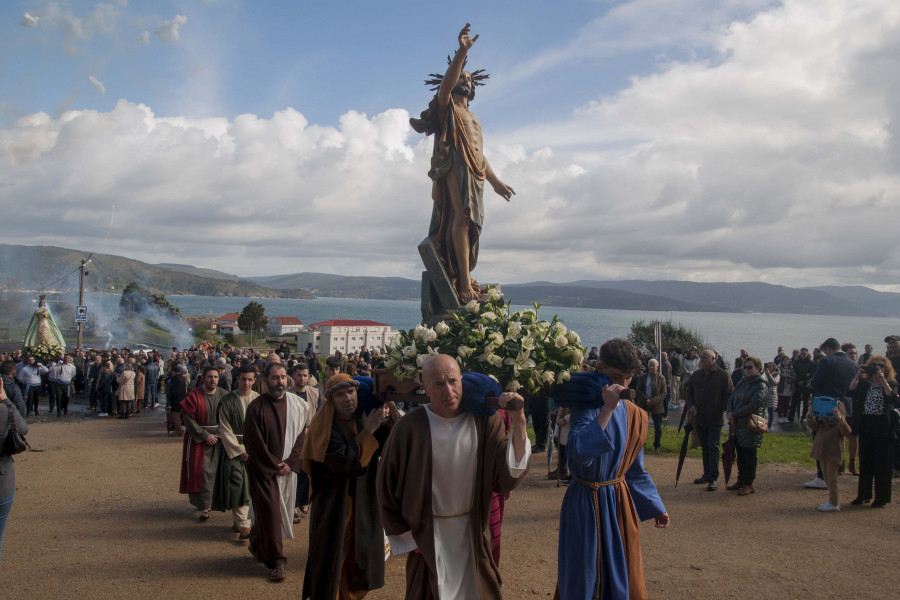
(439, 299)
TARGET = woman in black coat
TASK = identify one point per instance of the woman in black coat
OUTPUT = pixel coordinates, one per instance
(7, 466)
(748, 398)
(874, 391)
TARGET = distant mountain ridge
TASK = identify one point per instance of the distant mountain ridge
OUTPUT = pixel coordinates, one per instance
(32, 267)
(347, 286)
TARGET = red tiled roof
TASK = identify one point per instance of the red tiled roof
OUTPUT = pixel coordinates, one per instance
(349, 323)
(287, 320)
(230, 317)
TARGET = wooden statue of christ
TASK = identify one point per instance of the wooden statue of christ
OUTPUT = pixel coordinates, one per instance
(458, 170)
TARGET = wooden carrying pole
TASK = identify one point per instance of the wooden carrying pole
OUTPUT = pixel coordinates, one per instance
(390, 389)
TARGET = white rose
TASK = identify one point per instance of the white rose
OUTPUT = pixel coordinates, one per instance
(564, 376)
(442, 328)
(561, 340)
(573, 337)
(549, 376)
(472, 306)
(559, 327)
(463, 351)
(419, 332)
(578, 357)
(496, 338)
(512, 386)
(489, 316)
(494, 292)
(430, 335)
(420, 359)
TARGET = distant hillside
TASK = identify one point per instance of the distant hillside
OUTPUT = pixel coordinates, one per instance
(764, 297)
(883, 304)
(28, 267)
(32, 267)
(341, 286)
(200, 272)
(553, 294)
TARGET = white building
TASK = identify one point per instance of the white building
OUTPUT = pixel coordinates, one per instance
(345, 335)
(227, 323)
(284, 325)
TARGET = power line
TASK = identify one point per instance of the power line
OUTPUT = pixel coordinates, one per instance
(46, 287)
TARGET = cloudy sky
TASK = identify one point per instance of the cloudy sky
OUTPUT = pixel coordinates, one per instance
(707, 140)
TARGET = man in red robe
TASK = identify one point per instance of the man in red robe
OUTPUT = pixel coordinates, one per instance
(200, 458)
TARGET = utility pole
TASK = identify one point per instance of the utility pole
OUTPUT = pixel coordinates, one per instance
(84, 261)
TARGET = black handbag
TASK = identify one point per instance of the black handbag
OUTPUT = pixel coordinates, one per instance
(14, 443)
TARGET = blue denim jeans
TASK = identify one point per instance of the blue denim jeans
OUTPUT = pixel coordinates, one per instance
(150, 394)
(5, 507)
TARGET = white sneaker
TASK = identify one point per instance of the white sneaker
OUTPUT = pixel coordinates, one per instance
(816, 484)
(102, 415)
(829, 507)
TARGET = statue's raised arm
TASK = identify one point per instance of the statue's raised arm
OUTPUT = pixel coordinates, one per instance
(451, 77)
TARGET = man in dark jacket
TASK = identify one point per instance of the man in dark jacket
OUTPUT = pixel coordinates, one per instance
(832, 378)
(12, 389)
(706, 395)
(803, 368)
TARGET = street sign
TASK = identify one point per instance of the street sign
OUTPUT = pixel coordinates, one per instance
(81, 314)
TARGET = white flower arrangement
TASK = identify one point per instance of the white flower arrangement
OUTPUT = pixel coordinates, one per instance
(518, 350)
(46, 351)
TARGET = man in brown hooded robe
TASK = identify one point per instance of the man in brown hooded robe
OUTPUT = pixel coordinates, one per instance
(437, 472)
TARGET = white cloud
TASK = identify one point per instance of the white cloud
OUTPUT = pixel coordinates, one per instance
(168, 31)
(97, 84)
(102, 19)
(29, 20)
(776, 158)
(144, 37)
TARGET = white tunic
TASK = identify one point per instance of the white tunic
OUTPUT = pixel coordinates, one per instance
(455, 442)
(297, 412)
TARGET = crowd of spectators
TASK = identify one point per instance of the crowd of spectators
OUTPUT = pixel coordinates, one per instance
(861, 423)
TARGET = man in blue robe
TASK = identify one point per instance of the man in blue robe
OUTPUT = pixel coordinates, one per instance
(599, 539)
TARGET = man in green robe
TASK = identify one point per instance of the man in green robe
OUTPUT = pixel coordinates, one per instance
(232, 487)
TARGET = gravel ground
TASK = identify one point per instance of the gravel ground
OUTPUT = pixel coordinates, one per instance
(97, 515)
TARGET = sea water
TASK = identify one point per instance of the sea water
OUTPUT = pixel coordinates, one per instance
(759, 333)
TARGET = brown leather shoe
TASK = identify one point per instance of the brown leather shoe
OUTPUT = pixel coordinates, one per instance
(735, 486)
(278, 575)
(245, 534)
(235, 528)
(746, 490)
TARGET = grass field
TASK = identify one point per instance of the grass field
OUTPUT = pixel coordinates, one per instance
(787, 448)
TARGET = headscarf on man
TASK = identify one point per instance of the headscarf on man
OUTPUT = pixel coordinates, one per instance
(316, 443)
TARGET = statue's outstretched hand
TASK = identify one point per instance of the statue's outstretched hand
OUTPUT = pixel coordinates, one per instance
(504, 190)
(465, 42)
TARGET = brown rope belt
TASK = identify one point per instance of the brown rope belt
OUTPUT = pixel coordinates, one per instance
(595, 486)
(452, 516)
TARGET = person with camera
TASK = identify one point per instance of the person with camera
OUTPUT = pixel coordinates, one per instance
(874, 390)
(8, 413)
(747, 400)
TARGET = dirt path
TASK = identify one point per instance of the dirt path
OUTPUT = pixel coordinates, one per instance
(97, 515)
